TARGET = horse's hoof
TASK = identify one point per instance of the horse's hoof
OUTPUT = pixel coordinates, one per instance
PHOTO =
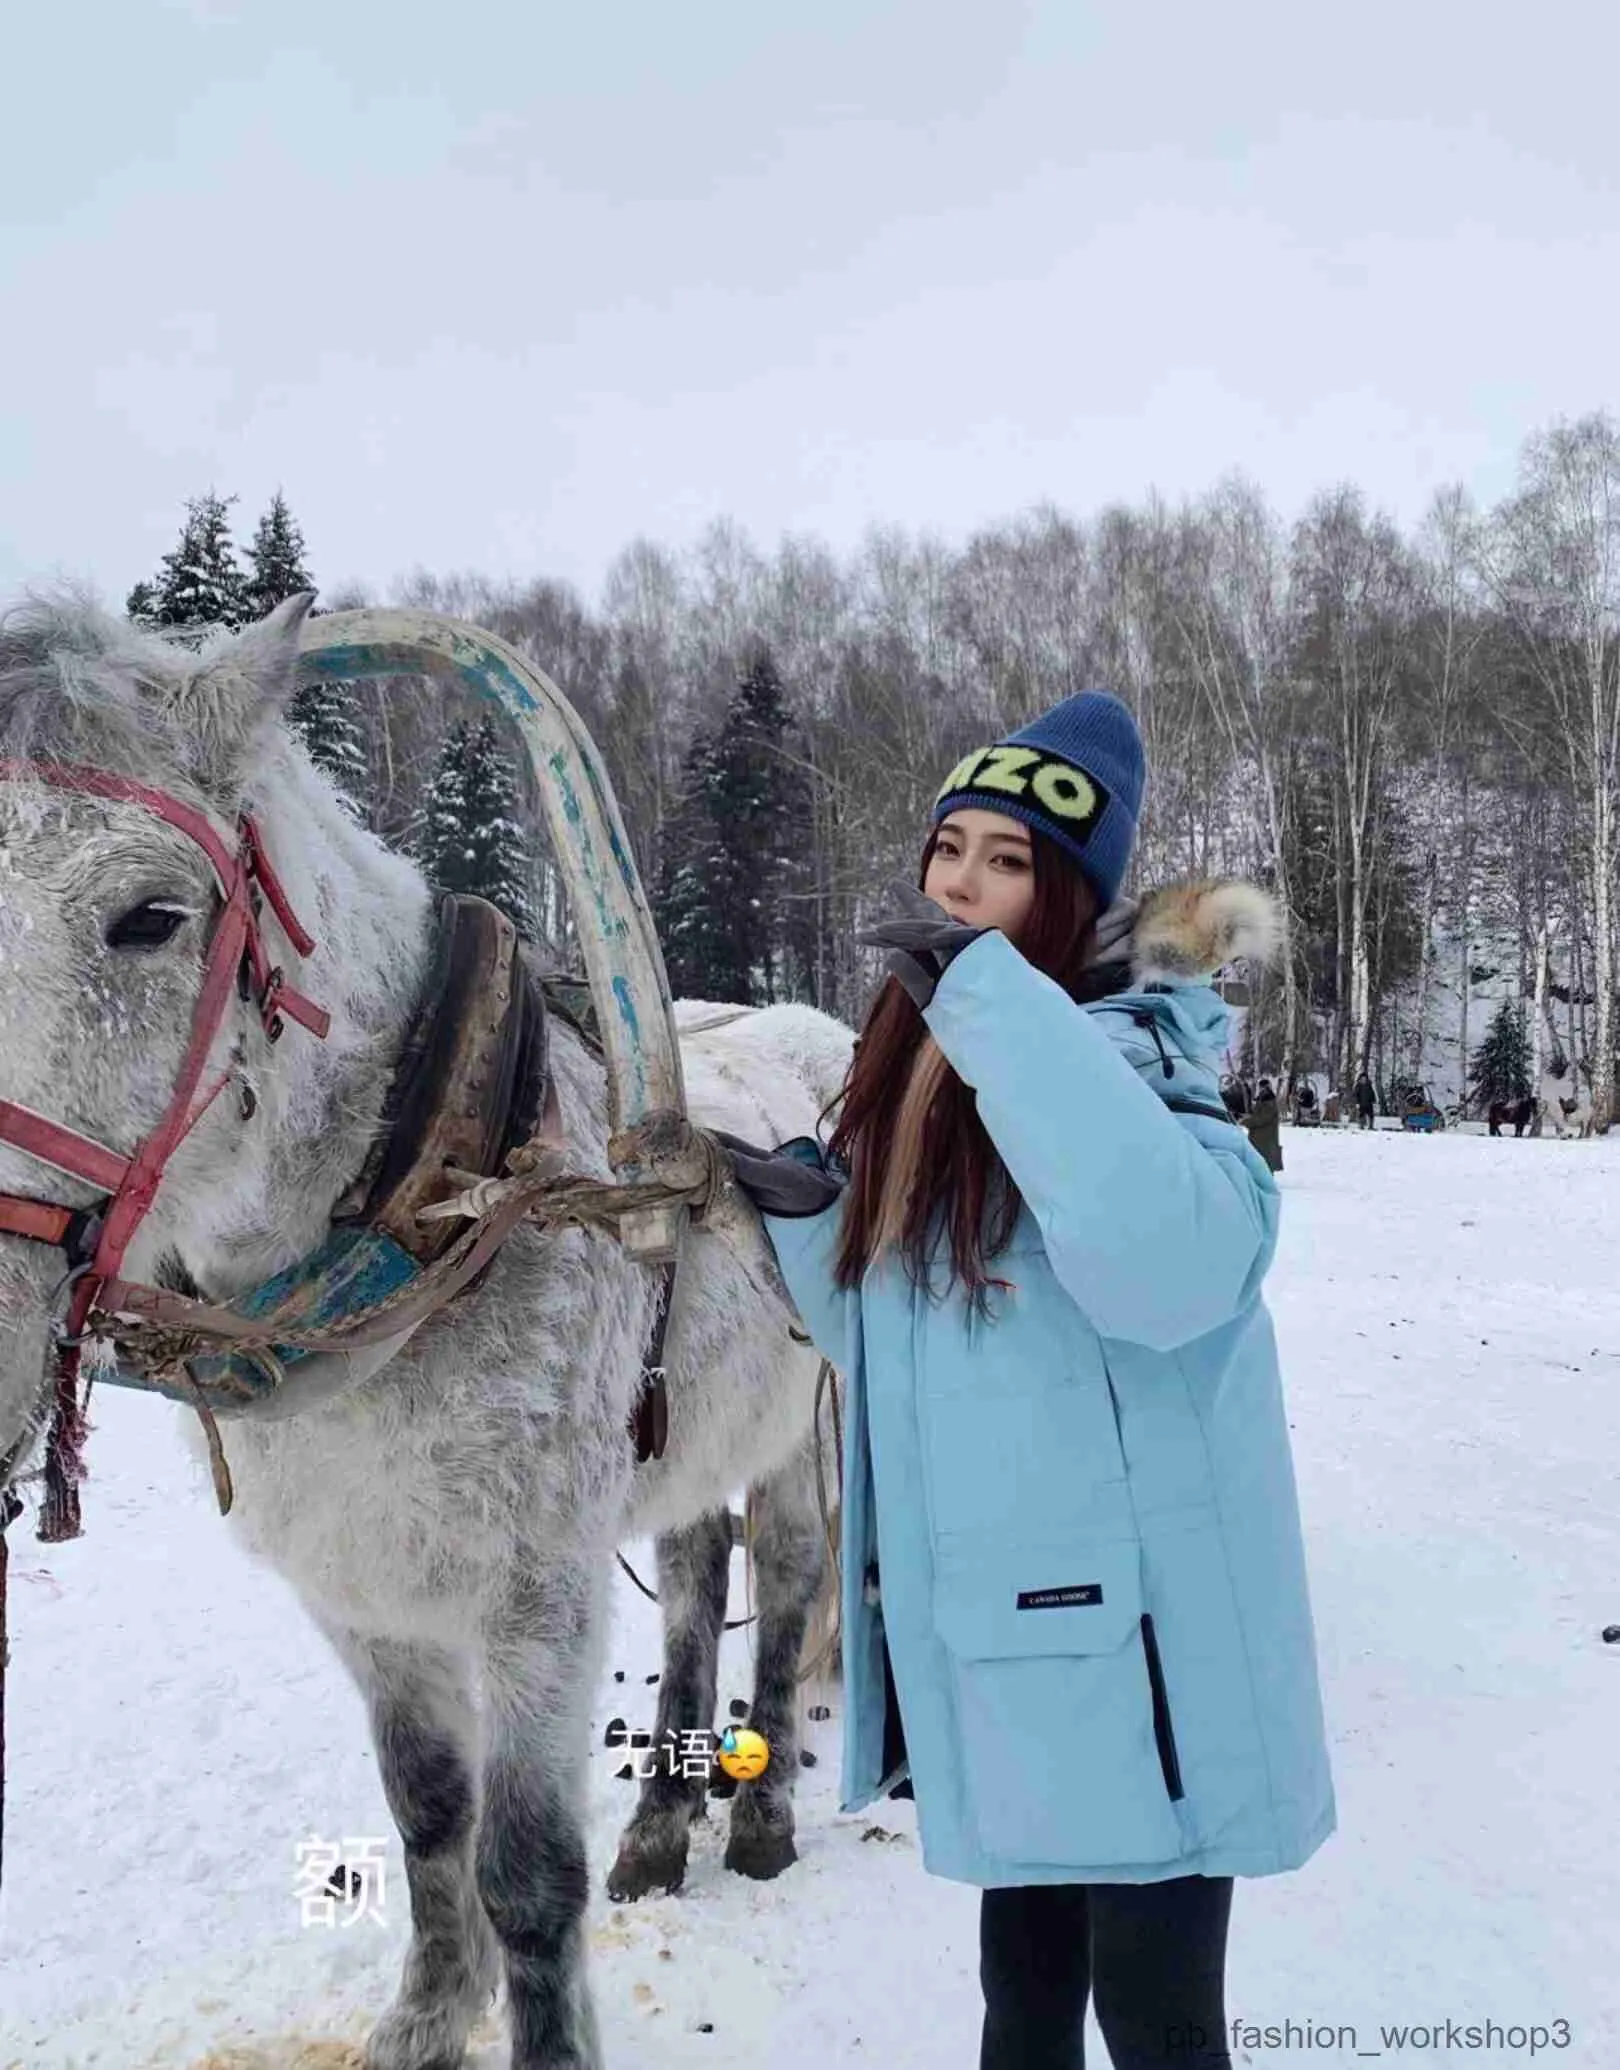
(761, 1855)
(640, 1870)
(406, 2040)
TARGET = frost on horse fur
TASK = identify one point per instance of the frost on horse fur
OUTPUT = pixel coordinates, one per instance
(450, 1523)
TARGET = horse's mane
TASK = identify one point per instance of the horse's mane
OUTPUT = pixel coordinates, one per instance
(79, 685)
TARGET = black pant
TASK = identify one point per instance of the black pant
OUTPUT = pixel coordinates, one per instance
(1152, 1955)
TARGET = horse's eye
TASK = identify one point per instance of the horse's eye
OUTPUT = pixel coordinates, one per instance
(146, 926)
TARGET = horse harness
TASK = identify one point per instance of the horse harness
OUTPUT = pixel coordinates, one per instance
(470, 1145)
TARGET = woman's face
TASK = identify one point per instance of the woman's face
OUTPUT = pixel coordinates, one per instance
(982, 871)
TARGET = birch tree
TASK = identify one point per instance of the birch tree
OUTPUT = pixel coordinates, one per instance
(1233, 618)
(1355, 588)
(1445, 702)
(1552, 558)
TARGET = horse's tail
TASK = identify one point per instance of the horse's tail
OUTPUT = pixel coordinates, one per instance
(819, 1657)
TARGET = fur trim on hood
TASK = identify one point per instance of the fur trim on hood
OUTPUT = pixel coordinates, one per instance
(1184, 933)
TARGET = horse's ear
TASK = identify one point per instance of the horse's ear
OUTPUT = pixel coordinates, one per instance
(240, 689)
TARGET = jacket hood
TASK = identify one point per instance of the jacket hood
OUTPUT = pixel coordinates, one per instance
(1158, 953)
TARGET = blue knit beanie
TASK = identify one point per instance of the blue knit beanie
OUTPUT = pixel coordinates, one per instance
(1076, 773)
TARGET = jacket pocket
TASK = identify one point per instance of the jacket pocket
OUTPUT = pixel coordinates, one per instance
(1057, 1714)
(1163, 1734)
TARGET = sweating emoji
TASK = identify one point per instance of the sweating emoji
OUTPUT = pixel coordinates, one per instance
(742, 1755)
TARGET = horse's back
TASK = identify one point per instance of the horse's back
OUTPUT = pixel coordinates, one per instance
(764, 1073)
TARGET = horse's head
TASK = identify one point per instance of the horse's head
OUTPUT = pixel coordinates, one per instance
(109, 910)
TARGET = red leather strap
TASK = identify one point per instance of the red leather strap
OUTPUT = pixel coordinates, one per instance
(238, 864)
(65, 1148)
(260, 866)
(101, 783)
(145, 1174)
(232, 866)
(133, 1181)
(34, 1218)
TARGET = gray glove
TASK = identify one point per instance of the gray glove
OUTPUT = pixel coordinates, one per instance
(922, 937)
(777, 1181)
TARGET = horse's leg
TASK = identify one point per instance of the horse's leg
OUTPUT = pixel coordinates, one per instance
(423, 1729)
(541, 1661)
(789, 1555)
(694, 1568)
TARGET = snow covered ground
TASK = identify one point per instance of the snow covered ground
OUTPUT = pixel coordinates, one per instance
(1450, 1314)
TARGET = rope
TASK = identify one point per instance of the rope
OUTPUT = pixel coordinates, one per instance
(830, 1535)
(733, 1624)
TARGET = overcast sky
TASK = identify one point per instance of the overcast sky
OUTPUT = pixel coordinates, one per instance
(502, 284)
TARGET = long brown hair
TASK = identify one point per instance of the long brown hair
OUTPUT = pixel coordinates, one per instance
(908, 1129)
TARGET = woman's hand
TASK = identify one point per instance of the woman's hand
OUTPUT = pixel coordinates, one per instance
(922, 937)
(777, 1182)
(704, 1162)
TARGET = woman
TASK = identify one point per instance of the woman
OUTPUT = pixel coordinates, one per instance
(1076, 1619)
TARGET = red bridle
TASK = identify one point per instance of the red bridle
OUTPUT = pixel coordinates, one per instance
(95, 1240)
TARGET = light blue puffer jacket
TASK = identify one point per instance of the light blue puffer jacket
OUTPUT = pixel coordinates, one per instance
(1074, 1527)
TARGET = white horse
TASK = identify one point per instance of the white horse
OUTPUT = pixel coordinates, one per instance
(450, 1522)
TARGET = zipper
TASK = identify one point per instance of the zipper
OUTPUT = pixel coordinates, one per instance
(1162, 1733)
(1150, 1022)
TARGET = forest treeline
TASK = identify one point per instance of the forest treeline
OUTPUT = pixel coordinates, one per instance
(1412, 736)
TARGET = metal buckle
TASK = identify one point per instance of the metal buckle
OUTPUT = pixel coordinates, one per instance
(274, 986)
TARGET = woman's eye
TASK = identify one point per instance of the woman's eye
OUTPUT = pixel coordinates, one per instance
(146, 926)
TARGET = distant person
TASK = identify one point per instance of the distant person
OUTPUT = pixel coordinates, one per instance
(1264, 1123)
(1235, 1097)
(1366, 1101)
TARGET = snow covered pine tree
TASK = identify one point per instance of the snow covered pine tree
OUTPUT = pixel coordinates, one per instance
(276, 567)
(468, 837)
(325, 713)
(1501, 1066)
(733, 909)
(690, 904)
(201, 584)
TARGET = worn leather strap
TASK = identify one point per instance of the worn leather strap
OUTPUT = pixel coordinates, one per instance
(440, 1282)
